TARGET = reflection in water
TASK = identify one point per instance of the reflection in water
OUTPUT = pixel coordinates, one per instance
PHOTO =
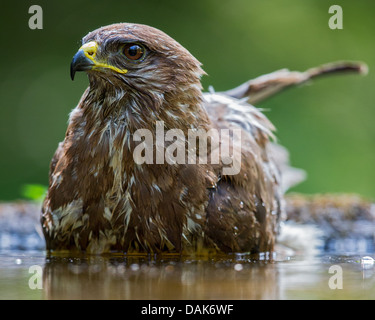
(228, 277)
(171, 278)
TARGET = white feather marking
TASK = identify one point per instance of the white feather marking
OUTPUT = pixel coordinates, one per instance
(107, 214)
(65, 217)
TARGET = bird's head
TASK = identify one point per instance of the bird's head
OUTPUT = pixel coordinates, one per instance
(136, 58)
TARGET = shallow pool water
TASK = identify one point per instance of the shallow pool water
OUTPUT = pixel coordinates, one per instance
(32, 275)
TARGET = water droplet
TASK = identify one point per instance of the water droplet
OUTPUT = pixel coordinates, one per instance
(219, 208)
(134, 267)
(238, 267)
(241, 204)
(18, 261)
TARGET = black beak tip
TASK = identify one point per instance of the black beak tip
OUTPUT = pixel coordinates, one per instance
(80, 63)
(72, 71)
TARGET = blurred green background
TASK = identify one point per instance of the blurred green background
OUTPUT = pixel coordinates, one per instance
(327, 126)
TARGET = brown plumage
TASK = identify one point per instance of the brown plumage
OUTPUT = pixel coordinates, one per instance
(99, 199)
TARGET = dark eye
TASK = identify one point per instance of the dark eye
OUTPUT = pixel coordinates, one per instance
(134, 51)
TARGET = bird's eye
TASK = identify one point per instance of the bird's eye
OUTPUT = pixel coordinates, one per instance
(134, 51)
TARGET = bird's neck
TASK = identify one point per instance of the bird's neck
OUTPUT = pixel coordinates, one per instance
(110, 107)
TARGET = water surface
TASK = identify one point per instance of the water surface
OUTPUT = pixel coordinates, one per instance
(174, 277)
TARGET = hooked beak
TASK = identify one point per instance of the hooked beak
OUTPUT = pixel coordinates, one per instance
(80, 63)
(85, 60)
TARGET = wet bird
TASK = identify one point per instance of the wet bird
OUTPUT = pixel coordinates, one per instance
(101, 199)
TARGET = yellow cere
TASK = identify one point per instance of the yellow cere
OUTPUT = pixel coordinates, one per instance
(90, 49)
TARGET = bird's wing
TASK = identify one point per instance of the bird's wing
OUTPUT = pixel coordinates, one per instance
(265, 86)
(231, 112)
(244, 208)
